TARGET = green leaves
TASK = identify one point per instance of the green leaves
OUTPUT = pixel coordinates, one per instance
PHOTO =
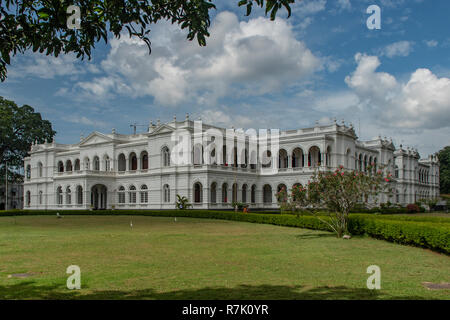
(272, 6)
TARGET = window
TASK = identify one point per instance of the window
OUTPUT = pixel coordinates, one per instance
(79, 195)
(96, 163)
(68, 195)
(328, 157)
(28, 198)
(40, 169)
(267, 194)
(122, 162)
(166, 157)
(166, 193)
(144, 160)
(297, 158)
(244, 193)
(68, 165)
(132, 194)
(60, 166)
(133, 161)
(77, 165)
(28, 172)
(107, 163)
(282, 159)
(213, 192)
(144, 194)
(253, 194)
(87, 164)
(40, 197)
(314, 157)
(198, 192)
(121, 194)
(198, 154)
(59, 196)
(224, 193)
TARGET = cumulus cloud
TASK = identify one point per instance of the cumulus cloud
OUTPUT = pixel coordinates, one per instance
(240, 59)
(400, 49)
(431, 43)
(423, 102)
(46, 67)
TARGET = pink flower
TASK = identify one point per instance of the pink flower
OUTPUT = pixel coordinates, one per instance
(386, 179)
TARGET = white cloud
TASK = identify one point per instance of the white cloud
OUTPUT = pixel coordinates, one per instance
(344, 4)
(431, 43)
(84, 121)
(422, 102)
(308, 7)
(400, 48)
(45, 67)
(240, 59)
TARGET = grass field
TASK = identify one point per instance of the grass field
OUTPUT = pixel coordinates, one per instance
(204, 259)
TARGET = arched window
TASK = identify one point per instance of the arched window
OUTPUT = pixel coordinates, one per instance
(234, 192)
(87, 163)
(360, 164)
(235, 157)
(79, 195)
(347, 159)
(314, 157)
(298, 158)
(77, 165)
(166, 157)
(59, 196)
(396, 173)
(96, 163)
(282, 159)
(132, 194)
(365, 163)
(144, 160)
(40, 169)
(68, 196)
(144, 194)
(133, 161)
(40, 197)
(267, 159)
(166, 193)
(68, 165)
(198, 192)
(225, 193)
(60, 166)
(107, 163)
(122, 162)
(28, 198)
(244, 193)
(213, 192)
(253, 194)
(28, 172)
(267, 194)
(121, 194)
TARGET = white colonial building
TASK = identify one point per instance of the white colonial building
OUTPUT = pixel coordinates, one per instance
(209, 165)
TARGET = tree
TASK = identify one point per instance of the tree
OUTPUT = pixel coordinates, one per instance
(20, 127)
(42, 25)
(182, 203)
(338, 193)
(444, 170)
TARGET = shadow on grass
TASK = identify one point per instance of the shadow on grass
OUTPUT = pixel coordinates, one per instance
(315, 235)
(30, 290)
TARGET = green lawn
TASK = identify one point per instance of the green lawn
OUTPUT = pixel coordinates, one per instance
(204, 259)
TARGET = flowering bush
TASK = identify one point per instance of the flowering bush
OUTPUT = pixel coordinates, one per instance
(412, 208)
(339, 192)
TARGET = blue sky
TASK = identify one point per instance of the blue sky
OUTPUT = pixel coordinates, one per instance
(321, 63)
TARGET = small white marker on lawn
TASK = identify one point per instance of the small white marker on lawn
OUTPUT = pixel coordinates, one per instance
(131, 224)
(175, 219)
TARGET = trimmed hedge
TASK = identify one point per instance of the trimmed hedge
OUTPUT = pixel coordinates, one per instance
(433, 236)
(430, 233)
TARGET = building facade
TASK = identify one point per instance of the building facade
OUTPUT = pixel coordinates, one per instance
(211, 166)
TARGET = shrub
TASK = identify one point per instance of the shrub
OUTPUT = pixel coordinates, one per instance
(412, 208)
